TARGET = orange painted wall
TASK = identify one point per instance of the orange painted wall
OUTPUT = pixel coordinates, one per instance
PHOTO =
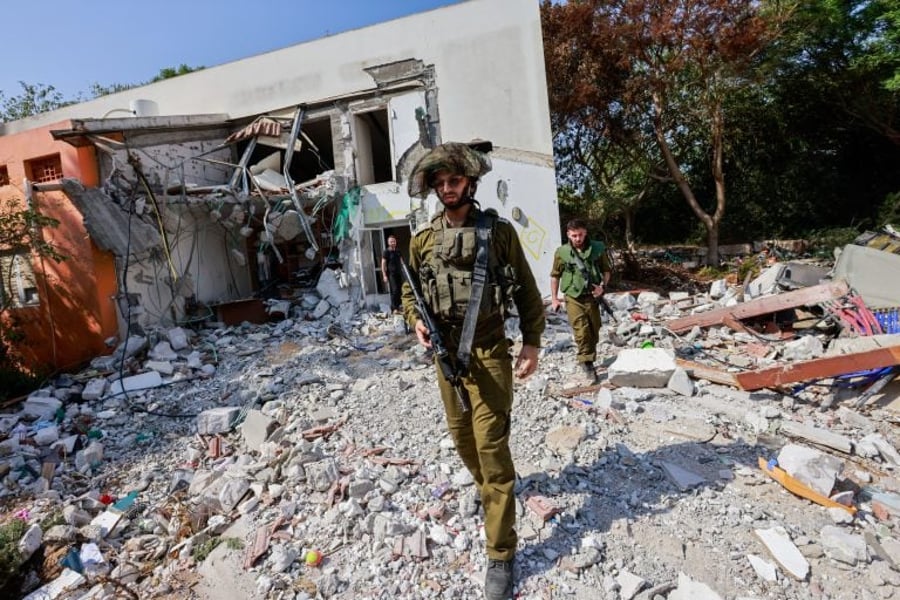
(77, 309)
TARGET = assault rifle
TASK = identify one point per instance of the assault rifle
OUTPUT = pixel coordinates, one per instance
(445, 361)
(601, 301)
(606, 307)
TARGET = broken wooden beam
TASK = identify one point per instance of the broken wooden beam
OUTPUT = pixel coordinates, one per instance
(819, 368)
(762, 306)
(701, 371)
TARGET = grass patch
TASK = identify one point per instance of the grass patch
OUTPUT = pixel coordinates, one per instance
(10, 558)
(53, 520)
(201, 551)
(234, 543)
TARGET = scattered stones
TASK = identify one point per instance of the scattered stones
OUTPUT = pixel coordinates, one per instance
(325, 436)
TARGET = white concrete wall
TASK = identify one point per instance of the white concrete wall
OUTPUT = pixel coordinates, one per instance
(491, 84)
(487, 55)
(531, 188)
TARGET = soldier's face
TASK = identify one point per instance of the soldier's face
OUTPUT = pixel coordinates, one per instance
(577, 237)
(450, 188)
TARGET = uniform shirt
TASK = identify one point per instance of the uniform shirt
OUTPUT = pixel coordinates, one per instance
(506, 250)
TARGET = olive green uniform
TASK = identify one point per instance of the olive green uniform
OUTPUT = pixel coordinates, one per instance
(482, 434)
(582, 309)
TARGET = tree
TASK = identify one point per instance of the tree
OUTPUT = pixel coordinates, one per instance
(20, 235)
(658, 71)
(35, 98)
(170, 72)
(39, 98)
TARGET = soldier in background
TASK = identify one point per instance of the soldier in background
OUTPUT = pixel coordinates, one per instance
(581, 270)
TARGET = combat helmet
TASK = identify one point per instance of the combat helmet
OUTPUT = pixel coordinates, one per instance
(470, 160)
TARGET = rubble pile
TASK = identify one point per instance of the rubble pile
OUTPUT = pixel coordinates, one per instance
(722, 455)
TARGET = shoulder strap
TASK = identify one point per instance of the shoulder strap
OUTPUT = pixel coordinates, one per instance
(483, 227)
(581, 266)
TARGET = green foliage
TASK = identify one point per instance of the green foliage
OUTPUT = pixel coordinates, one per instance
(233, 543)
(825, 241)
(52, 520)
(40, 98)
(889, 213)
(170, 72)
(35, 98)
(20, 234)
(810, 141)
(10, 558)
(750, 267)
(97, 90)
(201, 551)
(20, 228)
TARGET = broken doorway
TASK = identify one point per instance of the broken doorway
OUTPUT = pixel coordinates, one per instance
(379, 243)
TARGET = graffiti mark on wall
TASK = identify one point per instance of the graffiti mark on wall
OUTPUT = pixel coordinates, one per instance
(533, 239)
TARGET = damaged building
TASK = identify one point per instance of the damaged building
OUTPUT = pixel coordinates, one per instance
(225, 193)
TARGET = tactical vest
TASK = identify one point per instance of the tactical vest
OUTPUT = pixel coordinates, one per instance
(571, 280)
(446, 277)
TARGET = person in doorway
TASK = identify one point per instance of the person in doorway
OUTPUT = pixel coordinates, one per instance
(391, 273)
(581, 270)
(448, 254)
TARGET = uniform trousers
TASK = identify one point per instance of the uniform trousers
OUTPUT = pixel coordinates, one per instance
(584, 318)
(481, 436)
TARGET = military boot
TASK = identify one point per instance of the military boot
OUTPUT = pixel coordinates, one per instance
(590, 375)
(498, 581)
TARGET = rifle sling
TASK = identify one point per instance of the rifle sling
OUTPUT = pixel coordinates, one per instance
(581, 267)
(479, 278)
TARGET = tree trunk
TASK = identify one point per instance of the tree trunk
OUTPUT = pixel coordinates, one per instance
(712, 245)
(628, 214)
(710, 222)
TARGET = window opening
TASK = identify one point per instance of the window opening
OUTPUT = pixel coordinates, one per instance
(45, 169)
(18, 285)
(373, 147)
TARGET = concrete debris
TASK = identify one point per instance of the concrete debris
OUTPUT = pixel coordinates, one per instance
(816, 469)
(642, 368)
(779, 544)
(308, 457)
(688, 589)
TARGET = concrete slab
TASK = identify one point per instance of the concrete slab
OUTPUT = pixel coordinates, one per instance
(223, 576)
(874, 274)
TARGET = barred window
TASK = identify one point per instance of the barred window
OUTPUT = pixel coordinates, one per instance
(4, 175)
(18, 286)
(45, 169)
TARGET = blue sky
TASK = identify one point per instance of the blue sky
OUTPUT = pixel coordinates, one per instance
(71, 44)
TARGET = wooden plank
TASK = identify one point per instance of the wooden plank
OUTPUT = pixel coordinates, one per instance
(819, 368)
(700, 371)
(801, 489)
(762, 306)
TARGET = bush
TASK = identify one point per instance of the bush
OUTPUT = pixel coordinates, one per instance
(15, 379)
(10, 558)
(824, 241)
(889, 213)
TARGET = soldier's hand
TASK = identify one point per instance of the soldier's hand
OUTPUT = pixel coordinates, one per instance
(598, 290)
(527, 361)
(554, 304)
(422, 333)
